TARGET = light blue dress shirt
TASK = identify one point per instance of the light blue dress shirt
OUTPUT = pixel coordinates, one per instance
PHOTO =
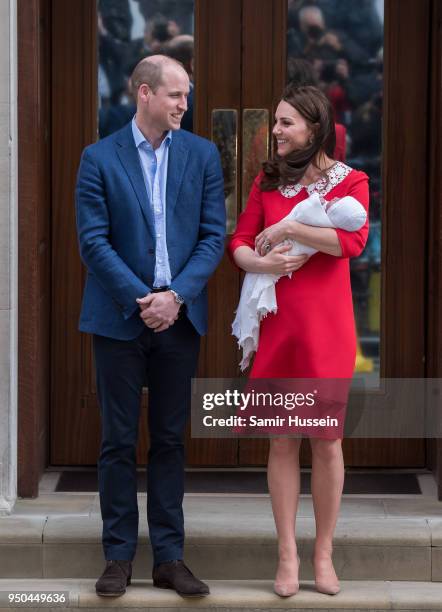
(154, 165)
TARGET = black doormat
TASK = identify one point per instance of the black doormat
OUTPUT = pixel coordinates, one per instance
(254, 482)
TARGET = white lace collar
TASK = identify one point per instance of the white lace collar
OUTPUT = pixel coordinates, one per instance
(336, 174)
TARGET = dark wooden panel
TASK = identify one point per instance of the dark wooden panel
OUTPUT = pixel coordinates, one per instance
(217, 59)
(373, 452)
(218, 359)
(219, 354)
(217, 85)
(405, 187)
(253, 452)
(74, 104)
(279, 48)
(33, 22)
(357, 453)
(264, 52)
(434, 329)
(257, 59)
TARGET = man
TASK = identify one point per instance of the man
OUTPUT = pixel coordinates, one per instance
(151, 224)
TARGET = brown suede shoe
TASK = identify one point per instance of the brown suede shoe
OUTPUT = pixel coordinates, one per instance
(115, 578)
(175, 575)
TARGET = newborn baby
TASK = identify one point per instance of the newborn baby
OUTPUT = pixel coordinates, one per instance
(258, 296)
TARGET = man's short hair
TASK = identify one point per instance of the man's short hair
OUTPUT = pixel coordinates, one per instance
(150, 73)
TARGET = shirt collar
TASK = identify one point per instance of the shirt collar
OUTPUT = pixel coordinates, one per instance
(139, 137)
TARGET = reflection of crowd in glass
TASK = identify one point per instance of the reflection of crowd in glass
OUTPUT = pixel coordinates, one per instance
(168, 28)
(341, 46)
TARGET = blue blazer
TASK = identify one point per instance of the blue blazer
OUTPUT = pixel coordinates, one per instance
(116, 230)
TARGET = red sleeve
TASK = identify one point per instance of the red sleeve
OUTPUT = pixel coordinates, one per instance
(353, 243)
(251, 221)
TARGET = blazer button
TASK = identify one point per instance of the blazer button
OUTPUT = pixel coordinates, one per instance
(150, 251)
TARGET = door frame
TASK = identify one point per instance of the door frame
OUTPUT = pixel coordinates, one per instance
(422, 157)
(434, 259)
(34, 244)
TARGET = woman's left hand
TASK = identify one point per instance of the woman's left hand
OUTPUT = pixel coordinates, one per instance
(273, 235)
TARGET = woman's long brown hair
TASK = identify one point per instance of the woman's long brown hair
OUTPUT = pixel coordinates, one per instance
(317, 111)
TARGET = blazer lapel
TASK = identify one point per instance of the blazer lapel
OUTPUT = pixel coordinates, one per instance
(128, 154)
(178, 154)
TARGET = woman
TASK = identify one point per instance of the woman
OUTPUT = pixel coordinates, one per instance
(312, 335)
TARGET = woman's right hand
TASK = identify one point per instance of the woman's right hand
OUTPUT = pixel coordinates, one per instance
(276, 262)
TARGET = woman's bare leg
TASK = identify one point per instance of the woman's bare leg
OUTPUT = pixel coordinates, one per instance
(327, 485)
(284, 486)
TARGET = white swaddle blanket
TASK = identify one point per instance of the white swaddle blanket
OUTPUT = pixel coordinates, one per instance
(258, 296)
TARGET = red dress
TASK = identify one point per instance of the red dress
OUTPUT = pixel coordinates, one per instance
(312, 335)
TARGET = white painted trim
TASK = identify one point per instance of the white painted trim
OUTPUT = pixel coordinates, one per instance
(8, 490)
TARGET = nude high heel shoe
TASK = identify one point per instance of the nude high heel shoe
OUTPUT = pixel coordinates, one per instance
(287, 589)
(327, 588)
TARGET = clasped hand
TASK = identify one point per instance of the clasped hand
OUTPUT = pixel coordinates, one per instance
(275, 262)
(158, 310)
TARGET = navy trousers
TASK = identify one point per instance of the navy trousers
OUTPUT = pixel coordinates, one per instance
(165, 362)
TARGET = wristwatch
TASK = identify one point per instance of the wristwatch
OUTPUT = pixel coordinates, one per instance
(178, 298)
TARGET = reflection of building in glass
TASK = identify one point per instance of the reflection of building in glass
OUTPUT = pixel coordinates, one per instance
(342, 50)
(167, 27)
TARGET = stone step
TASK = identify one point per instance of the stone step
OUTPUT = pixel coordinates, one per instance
(244, 596)
(228, 539)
